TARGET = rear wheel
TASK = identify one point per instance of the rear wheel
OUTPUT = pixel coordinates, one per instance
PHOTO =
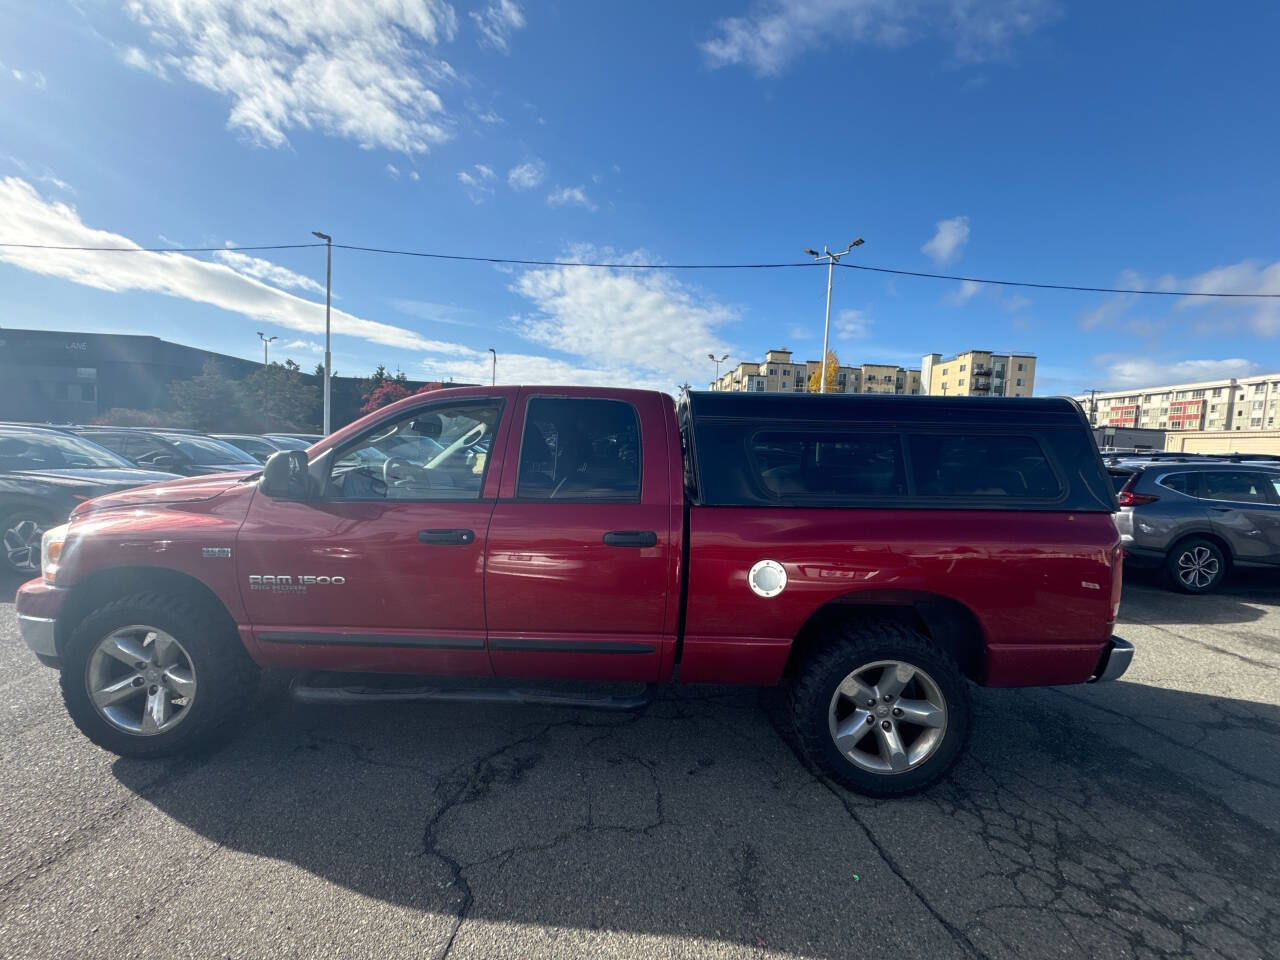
(151, 675)
(1196, 565)
(881, 710)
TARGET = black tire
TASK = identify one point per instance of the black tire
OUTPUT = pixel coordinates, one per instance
(227, 677)
(850, 647)
(11, 519)
(1187, 566)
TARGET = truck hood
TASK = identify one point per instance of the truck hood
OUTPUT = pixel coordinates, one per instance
(182, 490)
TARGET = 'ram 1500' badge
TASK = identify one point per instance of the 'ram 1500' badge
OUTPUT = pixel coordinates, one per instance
(767, 578)
(287, 583)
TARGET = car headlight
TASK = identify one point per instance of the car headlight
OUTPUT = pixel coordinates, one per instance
(51, 551)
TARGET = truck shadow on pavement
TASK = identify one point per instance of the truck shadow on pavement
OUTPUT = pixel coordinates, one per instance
(1119, 820)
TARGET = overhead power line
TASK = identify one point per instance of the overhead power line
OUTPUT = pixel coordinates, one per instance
(623, 265)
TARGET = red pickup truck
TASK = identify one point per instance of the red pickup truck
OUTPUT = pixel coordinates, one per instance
(875, 553)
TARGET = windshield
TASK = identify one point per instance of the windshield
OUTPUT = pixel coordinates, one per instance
(208, 451)
(54, 451)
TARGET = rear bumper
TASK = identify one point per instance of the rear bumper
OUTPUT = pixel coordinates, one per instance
(1115, 660)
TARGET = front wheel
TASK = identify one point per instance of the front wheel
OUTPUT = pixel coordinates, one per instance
(21, 529)
(881, 710)
(151, 675)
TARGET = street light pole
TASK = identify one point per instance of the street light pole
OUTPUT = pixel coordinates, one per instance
(494, 381)
(832, 259)
(328, 300)
(266, 385)
(266, 341)
(717, 361)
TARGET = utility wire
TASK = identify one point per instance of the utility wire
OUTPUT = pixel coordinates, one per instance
(614, 265)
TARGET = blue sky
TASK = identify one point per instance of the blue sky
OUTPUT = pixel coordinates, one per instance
(1093, 143)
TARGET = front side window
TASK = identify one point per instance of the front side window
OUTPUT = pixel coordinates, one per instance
(804, 464)
(973, 466)
(579, 449)
(1237, 486)
(437, 453)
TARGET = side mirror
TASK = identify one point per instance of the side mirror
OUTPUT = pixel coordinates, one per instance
(285, 475)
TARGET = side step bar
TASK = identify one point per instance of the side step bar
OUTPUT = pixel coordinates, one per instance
(356, 693)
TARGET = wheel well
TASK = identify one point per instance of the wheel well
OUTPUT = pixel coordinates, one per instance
(1213, 538)
(90, 594)
(948, 624)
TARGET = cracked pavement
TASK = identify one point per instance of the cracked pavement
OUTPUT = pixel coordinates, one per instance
(1134, 819)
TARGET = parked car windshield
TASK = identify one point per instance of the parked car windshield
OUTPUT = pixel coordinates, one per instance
(207, 451)
(54, 451)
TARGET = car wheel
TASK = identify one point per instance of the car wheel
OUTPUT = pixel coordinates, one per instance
(1196, 566)
(881, 710)
(21, 529)
(150, 675)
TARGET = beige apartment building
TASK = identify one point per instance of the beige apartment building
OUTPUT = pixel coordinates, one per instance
(1233, 404)
(779, 373)
(978, 373)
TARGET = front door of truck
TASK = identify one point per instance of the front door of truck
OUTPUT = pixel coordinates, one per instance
(576, 578)
(384, 570)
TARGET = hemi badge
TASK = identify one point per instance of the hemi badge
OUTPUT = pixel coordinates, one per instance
(215, 552)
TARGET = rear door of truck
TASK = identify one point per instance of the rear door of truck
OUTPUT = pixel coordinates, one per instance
(580, 547)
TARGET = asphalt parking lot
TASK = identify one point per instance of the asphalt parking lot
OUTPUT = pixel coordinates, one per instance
(1135, 819)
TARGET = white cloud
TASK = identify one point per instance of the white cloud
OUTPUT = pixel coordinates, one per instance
(305, 346)
(413, 175)
(852, 325)
(497, 22)
(360, 71)
(478, 182)
(571, 196)
(527, 175)
(27, 217)
(135, 58)
(31, 78)
(1125, 370)
(626, 325)
(1247, 276)
(272, 273)
(490, 116)
(948, 241)
(393, 171)
(967, 290)
(775, 32)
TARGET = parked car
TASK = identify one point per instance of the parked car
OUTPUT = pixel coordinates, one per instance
(1198, 518)
(306, 439)
(875, 553)
(261, 447)
(43, 475)
(189, 454)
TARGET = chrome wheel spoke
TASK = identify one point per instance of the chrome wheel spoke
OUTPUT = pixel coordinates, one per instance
(163, 648)
(894, 678)
(156, 713)
(920, 712)
(857, 691)
(891, 748)
(127, 649)
(180, 681)
(117, 691)
(851, 730)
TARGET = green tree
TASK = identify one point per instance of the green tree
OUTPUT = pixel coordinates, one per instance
(210, 401)
(279, 397)
(833, 367)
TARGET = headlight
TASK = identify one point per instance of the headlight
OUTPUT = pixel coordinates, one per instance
(51, 551)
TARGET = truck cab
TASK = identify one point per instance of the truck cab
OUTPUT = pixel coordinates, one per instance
(877, 554)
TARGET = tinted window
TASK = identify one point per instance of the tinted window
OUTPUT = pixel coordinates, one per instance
(1182, 482)
(53, 452)
(977, 466)
(1235, 485)
(208, 451)
(1119, 478)
(800, 464)
(440, 453)
(579, 449)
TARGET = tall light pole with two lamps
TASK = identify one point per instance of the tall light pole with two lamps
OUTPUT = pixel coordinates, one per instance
(328, 299)
(832, 259)
(717, 361)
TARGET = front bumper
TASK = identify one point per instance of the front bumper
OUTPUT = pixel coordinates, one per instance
(1115, 660)
(37, 605)
(38, 634)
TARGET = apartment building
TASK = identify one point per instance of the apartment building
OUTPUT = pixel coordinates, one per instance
(978, 373)
(780, 373)
(1244, 403)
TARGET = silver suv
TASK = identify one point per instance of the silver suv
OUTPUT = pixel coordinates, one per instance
(1197, 519)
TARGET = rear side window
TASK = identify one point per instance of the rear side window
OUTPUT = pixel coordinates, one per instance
(982, 466)
(1119, 478)
(579, 449)
(1237, 486)
(1181, 482)
(804, 464)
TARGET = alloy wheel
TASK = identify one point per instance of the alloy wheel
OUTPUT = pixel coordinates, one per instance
(1198, 567)
(888, 717)
(141, 680)
(22, 545)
